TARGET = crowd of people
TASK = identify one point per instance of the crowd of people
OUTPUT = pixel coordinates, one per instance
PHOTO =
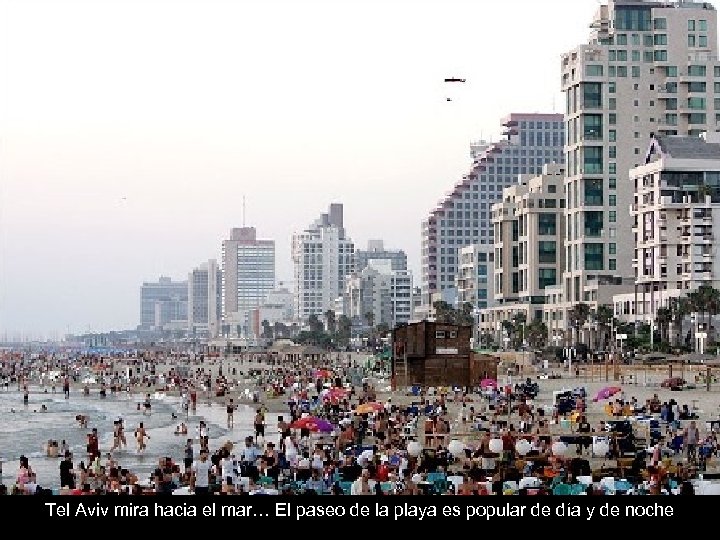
(331, 431)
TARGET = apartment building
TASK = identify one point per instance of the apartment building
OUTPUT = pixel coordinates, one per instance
(323, 255)
(205, 300)
(474, 281)
(648, 68)
(675, 212)
(162, 303)
(382, 291)
(376, 250)
(462, 217)
(529, 226)
(248, 269)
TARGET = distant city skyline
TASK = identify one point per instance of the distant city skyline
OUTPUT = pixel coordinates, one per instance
(132, 131)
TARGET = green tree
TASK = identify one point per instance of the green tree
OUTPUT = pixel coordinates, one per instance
(267, 332)
(663, 318)
(344, 328)
(578, 316)
(604, 316)
(537, 333)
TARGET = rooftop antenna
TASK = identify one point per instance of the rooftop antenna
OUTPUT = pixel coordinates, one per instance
(243, 212)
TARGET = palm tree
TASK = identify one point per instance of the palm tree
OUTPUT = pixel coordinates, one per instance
(680, 308)
(577, 317)
(518, 326)
(663, 318)
(604, 318)
(537, 334)
(267, 330)
(344, 327)
(444, 312)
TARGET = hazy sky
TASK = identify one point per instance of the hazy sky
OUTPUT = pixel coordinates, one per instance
(131, 130)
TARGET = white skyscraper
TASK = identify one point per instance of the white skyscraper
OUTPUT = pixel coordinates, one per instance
(649, 68)
(323, 256)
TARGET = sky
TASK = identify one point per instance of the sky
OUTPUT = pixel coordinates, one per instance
(131, 130)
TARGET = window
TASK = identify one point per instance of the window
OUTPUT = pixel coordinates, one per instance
(612, 119)
(695, 87)
(696, 103)
(612, 216)
(593, 224)
(440, 334)
(691, 40)
(696, 118)
(593, 160)
(621, 39)
(622, 71)
(612, 248)
(671, 71)
(691, 25)
(622, 56)
(612, 135)
(547, 252)
(636, 56)
(453, 334)
(612, 200)
(648, 40)
(593, 192)
(612, 152)
(633, 18)
(592, 96)
(612, 264)
(594, 255)
(612, 103)
(702, 25)
(592, 127)
(594, 71)
(661, 56)
(648, 57)
(702, 41)
(612, 183)
(611, 87)
(547, 224)
(660, 23)
(635, 72)
(546, 277)
(697, 71)
(660, 39)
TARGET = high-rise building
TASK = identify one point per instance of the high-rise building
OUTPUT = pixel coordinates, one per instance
(649, 68)
(323, 256)
(463, 218)
(676, 209)
(248, 268)
(475, 277)
(205, 300)
(382, 291)
(529, 246)
(163, 302)
(376, 251)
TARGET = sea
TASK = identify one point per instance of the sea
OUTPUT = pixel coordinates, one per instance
(25, 430)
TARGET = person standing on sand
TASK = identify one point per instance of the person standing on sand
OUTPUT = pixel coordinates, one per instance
(66, 387)
(259, 425)
(230, 413)
(140, 436)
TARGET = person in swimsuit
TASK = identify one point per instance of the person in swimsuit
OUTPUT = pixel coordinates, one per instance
(140, 436)
(259, 425)
(147, 405)
(26, 396)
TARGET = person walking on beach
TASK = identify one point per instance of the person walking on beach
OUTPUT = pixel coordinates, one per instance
(189, 455)
(691, 438)
(67, 474)
(200, 478)
(140, 436)
(147, 405)
(230, 413)
(26, 396)
(66, 387)
(259, 425)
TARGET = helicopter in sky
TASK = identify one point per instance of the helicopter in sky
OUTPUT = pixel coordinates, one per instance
(453, 80)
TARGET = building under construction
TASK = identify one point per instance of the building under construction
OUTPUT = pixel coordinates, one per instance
(436, 354)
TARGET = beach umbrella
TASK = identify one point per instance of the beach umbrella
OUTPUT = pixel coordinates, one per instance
(332, 394)
(607, 392)
(367, 408)
(488, 383)
(314, 424)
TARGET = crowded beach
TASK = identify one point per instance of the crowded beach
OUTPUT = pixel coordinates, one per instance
(341, 425)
